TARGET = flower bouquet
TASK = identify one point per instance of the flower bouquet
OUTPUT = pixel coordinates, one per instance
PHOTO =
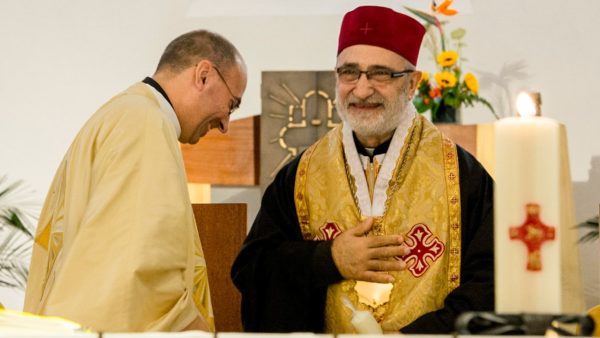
(450, 88)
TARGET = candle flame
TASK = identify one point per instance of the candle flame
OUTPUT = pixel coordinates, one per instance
(526, 106)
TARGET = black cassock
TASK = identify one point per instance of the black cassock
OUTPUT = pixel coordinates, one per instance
(283, 278)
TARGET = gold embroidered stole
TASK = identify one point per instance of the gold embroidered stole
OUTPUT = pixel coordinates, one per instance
(371, 172)
(422, 204)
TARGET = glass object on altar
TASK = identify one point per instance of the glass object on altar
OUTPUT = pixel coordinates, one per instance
(362, 320)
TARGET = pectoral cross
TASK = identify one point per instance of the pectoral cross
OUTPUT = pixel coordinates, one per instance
(533, 233)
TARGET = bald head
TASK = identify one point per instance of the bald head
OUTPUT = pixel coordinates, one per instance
(187, 49)
(204, 76)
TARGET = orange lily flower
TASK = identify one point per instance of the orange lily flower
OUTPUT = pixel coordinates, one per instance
(443, 8)
(435, 92)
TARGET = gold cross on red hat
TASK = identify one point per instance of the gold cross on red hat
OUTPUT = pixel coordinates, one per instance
(533, 233)
(366, 28)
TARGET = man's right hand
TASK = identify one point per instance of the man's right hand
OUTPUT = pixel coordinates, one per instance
(368, 259)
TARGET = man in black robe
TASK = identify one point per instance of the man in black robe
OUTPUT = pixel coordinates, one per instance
(362, 205)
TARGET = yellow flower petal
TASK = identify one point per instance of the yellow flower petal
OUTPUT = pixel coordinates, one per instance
(447, 58)
(445, 79)
(471, 82)
(424, 76)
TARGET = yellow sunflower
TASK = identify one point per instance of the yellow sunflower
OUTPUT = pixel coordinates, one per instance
(445, 79)
(471, 82)
(447, 58)
(424, 76)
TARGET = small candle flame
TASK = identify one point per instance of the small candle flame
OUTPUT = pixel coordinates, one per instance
(526, 106)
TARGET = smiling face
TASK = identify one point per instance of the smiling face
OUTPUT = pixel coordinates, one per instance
(375, 107)
(215, 94)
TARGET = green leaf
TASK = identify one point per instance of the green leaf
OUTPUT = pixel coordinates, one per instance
(458, 33)
(420, 104)
(17, 214)
(13, 219)
(592, 226)
(14, 250)
(16, 208)
(430, 19)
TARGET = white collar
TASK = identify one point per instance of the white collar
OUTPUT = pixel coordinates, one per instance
(167, 109)
(377, 207)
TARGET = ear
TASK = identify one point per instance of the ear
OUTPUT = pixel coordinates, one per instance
(415, 78)
(201, 74)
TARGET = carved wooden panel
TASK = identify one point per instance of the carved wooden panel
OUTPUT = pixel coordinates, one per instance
(297, 109)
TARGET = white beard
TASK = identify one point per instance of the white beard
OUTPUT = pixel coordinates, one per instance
(369, 124)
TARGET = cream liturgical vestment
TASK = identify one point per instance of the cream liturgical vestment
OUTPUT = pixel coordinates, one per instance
(117, 248)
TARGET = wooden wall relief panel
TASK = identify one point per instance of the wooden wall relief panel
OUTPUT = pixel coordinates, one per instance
(298, 107)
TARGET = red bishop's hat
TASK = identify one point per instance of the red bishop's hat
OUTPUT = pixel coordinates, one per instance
(382, 27)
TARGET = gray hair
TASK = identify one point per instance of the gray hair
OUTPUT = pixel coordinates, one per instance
(189, 48)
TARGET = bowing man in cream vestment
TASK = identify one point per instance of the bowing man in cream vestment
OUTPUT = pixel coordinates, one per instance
(117, 247)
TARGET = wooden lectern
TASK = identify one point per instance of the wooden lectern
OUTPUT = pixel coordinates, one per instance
(222, 229)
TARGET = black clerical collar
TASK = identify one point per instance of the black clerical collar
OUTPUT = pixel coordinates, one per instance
(151, 82)
(380, 149)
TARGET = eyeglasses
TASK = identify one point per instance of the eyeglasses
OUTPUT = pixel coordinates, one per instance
(235, 104)
(379, 75)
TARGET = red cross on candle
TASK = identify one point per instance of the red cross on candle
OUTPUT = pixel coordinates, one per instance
(533, 233)
(366, 29)
(424, 247)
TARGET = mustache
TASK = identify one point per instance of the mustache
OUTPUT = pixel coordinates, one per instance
(370, 100)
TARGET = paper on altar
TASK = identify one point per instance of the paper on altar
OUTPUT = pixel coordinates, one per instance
(273, 335)
(185, 334)
(390, 335)
(17, 324)
(37, 334)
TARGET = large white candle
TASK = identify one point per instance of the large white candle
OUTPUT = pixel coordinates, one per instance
(527, 266)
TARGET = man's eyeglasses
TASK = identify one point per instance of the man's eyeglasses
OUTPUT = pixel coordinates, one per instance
(379, 75)
(235, 103)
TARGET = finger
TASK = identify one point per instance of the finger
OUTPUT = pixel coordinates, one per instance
(376, 277)
(386, 265)
(380, 241)
(387, 252)
(363, 227)
(405, 250)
